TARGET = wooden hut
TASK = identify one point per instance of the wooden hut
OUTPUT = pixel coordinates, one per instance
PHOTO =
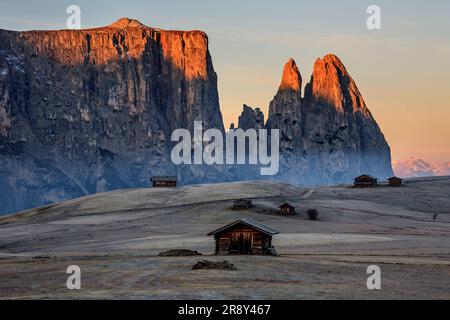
(366, 181)
(395, 182)
(287, 210)
(164, 182)
(242, 204)
(244, 236)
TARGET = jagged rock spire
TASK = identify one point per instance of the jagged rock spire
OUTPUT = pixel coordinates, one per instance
(291, 77)
(329, 135)
(331, 84)
(285, 108)
(290, 91)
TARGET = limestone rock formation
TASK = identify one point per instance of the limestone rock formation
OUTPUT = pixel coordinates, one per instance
(251, 118)
(329, 136)
(85, 111)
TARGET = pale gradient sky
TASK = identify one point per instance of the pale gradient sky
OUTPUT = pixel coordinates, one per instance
(403, 71)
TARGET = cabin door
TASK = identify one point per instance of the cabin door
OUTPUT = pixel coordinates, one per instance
(242, 243)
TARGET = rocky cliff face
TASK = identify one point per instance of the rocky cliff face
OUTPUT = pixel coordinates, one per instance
(93, 110)
(329, 136)
(251, 118)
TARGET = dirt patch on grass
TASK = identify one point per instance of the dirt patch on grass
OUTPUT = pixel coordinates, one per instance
(210, 265)
(179, 253)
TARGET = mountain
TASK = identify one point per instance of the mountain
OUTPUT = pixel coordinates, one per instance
(413, 167)
(89, 111)
(85, 111)
(328, 136)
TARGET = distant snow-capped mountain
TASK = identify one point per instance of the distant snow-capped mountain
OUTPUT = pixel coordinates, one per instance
(414, 167)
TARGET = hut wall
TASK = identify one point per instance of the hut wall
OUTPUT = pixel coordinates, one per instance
(242, 241)
(365, 183)
(287, 211)
(162, 184)
(395, 182)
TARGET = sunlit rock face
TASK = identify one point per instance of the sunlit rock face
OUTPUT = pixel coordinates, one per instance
(285, 108)
(329, 136)
(332, 85)
(85, 111)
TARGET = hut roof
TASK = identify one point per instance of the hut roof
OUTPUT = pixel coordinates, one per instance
(287, 205)
(164, 178)
(366, 176)
(242, 200)
(395, 178)
(248, 222)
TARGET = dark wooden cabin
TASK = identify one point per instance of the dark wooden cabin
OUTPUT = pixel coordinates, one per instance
(287, 210)
(244, 236)
(366, 181)
(395, 182)
(242, 204)
(164, 182)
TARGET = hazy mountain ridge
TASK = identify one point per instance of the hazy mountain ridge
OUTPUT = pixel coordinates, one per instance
(413, 167)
